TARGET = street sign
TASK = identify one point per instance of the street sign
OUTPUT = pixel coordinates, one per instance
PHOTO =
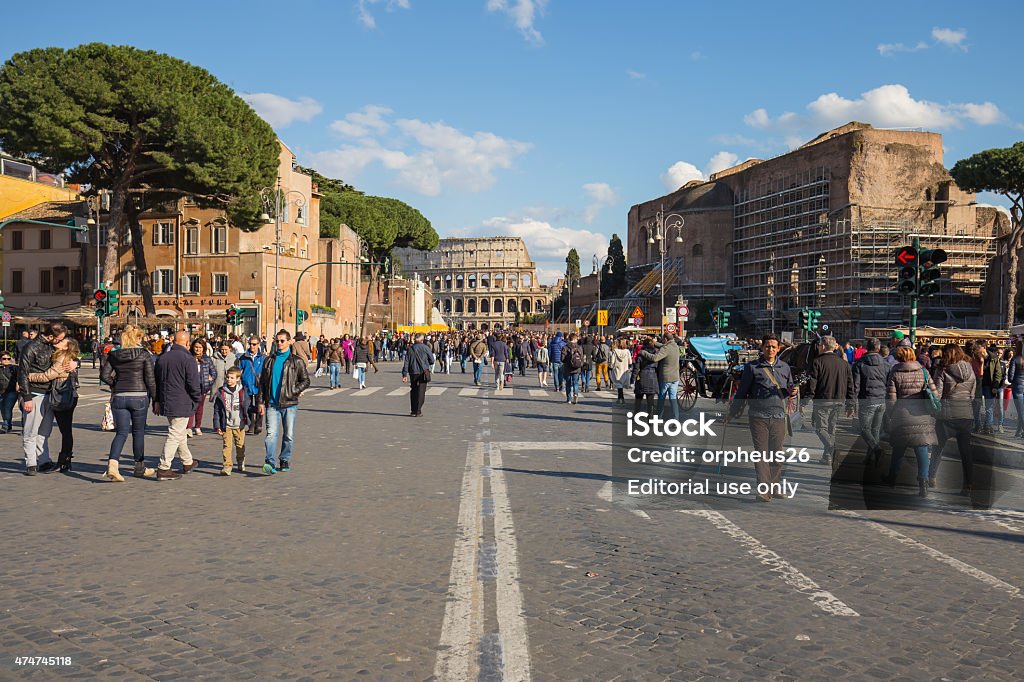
(579, 323)
(683, 311)
(7, 323)
(670, 315)
(670, 328)
(6, 317)
(637, 313)
(602, 318)
(586, 323)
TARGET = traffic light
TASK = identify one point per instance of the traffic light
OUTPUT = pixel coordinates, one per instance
(929, 271)
(805, 319)
(232, 316)
(906, 260)
(813, 319)
(1, 301)
(113, 304)
(723, 318)
(100, 298)
(300, 316)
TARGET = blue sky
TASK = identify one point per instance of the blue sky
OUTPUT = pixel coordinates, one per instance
(548, 119)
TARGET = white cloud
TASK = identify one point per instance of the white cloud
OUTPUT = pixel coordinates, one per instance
(721, 161)
(281, 112)
(367, 19)
(887, 106)
(680, 173)
(426, 157)
(697, 56)
(601, 196)
(636, 75)
(548, 244)
(950, 37)
(889, 49)
(523, 14)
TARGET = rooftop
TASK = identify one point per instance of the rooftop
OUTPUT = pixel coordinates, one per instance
(52, 212)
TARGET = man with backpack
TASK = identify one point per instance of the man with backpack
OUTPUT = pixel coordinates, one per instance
(572, 368)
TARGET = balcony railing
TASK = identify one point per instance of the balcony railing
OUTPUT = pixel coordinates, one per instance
(26, 171)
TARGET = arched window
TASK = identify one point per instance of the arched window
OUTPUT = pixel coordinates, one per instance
(458, 281)
(512, 305)
(499, 280)
(485, 280)
(458, 305)
(304, 248)
(538, 305)
(497, 305)
(698, 250)
(527, 280)
(437, 284)
(471, 306)
(447, 305)
(513, 282)
(448, 282)
(485, 306)
(293, 244)
(472, 280)
(525, 305)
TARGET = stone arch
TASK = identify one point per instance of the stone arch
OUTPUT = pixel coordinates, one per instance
(447, 305)
(459, 281)
(525, 306)
(448, 282)
(538, 305)
(458, 305)
(697, 250)
(499, 280)
(485, 306)
(472, 280)
(498, 305)
(485, 280)
(437, 283)
(527, 280)
(512, 306)
(513, 281)
(471, 306)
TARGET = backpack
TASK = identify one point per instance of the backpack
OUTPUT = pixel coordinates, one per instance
(599, 357)
(63, 394)
(574, 359)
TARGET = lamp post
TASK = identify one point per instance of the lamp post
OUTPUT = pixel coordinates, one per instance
(278, 197)
(599, 268)
(362, 256)
(657, 232)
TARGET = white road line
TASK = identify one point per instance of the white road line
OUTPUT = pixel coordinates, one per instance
(463, 614)
(541, 445)
(469, 391)
(400, 391)
(941, 557)
(823, 599)
(1002, 520)
(605, 493)
(366, 391)
(436, 390)
(515, 647)
(539, 393)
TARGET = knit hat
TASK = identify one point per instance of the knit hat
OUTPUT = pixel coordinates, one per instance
(896, 334)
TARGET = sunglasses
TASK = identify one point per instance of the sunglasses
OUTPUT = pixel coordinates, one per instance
(282, 340)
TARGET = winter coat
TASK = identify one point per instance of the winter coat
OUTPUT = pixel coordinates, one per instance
(991, 374)
(221, 364)
(418, 360)
(1015, 375)
(588, 354)
(8, 379)
(869, 375)
(830, 378)
(555, 347)
(207, 373)
(645, 376)
(573, 348)
(766, 400)
(619, 362)
(294, 380)
(363, 353)
(220, 412)
(334, 354)
(34, 357)
(500, 352)
(251, 366)
(667, 358)
(478, 350)
(957, 386)
(911, 424)
(129, 370)
(177, 383)
(301, 349)
(348, 346)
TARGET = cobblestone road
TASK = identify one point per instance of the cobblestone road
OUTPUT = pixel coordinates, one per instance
(483, 541)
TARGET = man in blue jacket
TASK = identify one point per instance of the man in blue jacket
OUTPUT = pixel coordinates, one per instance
(251, 364)
(555, 356)
(177, 396)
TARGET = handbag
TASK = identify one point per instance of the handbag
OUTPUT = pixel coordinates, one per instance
(425, 376)
(934, 405)
(107, 423)
(355, 373)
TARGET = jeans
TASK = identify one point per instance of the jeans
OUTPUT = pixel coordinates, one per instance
(130, 414)
(825, 418)
(571, 386)
(1017, 402)
(361, 371)
(668, 389)
(499, 375)
(478, 368)
(65, 420)
(556, 374)
(275, 417)
(7, 408)
(462, 362)
(35, 430)
(897, 460)
(961, 430)
(334, 369)
(990, 408)
(872, 413)
(585, 377)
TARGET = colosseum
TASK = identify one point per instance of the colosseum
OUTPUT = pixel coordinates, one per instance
(480, 280)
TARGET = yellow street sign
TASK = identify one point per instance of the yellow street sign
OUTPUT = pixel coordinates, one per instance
(602, 318)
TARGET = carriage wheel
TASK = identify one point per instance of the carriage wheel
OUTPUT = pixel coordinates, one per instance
(688, 389)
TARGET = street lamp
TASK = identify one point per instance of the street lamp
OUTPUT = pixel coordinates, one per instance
(300, 201)
(657, 232)
(362, 255)
(599, 269)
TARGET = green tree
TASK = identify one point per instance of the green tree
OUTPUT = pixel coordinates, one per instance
(572, 266)
(1000, 171)
(614, 283)
(148, 127)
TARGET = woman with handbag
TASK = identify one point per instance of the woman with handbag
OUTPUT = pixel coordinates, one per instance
(362, 359)
(912, 397)
(957, 392)
(129, 373)
(63, 373)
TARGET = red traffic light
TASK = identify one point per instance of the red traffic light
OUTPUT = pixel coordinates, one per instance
(99, 296)
(906, 256)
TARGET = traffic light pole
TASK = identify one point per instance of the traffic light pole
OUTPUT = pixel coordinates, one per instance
(914, 297)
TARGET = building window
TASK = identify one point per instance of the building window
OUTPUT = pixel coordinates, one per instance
(513, 282)
(192, 241)
(437, 284)
(485, 281)
(458, 281)
(698, 250)
(163, 282)
(76, 280)
(498, 306)
(102, 234)
(220, 283)
(485, 306)
(300, 214)
(45, 239)
(220, 239)
(130, 281)
(472, 281)
(458, 306)
(447, 281)
(304, 247)
(511, 305)
(45, 281)
(499, 281)
(525, 306)
(60, 280)
(471, 306)
(293, 245)
(17, 240)
(190, 284)
(17, 281)
(163, 234)
(527, 280)
(448, 305)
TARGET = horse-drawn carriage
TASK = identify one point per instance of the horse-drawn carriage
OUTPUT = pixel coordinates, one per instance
(710, 367)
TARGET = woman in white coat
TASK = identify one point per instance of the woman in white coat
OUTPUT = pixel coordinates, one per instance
(619, 365)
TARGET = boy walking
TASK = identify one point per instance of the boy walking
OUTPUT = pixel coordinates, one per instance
(230, 416)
